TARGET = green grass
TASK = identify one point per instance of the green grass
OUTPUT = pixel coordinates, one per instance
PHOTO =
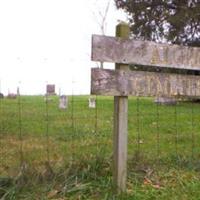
(67, 154)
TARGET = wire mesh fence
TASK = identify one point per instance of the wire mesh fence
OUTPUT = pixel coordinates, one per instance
(39, 140)
(35, 130)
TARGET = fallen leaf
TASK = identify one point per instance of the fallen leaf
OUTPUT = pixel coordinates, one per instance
(147, 181)
(52, 194)
(156, 186)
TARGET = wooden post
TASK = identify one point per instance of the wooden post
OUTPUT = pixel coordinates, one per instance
(120, 125)
(120, 83)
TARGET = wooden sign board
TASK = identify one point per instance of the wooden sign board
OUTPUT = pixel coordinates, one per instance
(124, 82)
(141, 83)
(127, 51)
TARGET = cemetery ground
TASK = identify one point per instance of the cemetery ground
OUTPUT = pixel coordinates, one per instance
(48, 153)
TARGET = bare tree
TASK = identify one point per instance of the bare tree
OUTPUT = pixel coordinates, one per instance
(101, 16)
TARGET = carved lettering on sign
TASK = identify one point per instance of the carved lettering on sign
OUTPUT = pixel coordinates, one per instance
(127, 51)
(140, 83)
(155, 56)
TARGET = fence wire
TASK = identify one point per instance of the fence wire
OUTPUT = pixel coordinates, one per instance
(47, 127)
(158, 131)
(1, 129)
(38, 136)
(20, 128)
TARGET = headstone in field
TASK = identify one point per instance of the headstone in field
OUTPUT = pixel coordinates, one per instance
(165, 101)
(12, 96)
(1, 96)
(50, 89)
(92, 102)
(63, 102)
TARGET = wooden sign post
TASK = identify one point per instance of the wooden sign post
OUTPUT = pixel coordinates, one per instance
(123, 82)
(120, 134)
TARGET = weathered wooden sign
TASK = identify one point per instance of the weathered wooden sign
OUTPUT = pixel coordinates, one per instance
(141, 83)
(127, 51)
(124, 82)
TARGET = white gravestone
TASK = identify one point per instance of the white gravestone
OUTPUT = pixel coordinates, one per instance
(92, 102)
(165, 101)
(63, 101)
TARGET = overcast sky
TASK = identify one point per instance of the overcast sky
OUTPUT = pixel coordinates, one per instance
(49, 41)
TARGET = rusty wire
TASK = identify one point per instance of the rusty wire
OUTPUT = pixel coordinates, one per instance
(47, 127)
(192, 123)
(72, 112)
(138, 127)
(158, 130)
(176, 130)
(1, 124)
(96, 114)
(192, 128)
(21, 154)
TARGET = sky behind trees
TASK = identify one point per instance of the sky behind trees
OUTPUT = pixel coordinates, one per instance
(48, 41)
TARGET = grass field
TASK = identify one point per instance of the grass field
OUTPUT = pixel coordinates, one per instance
(47, 153)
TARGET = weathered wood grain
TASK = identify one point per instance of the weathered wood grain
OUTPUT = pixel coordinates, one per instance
(120, 125)
(127, 51)
(140, 83)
